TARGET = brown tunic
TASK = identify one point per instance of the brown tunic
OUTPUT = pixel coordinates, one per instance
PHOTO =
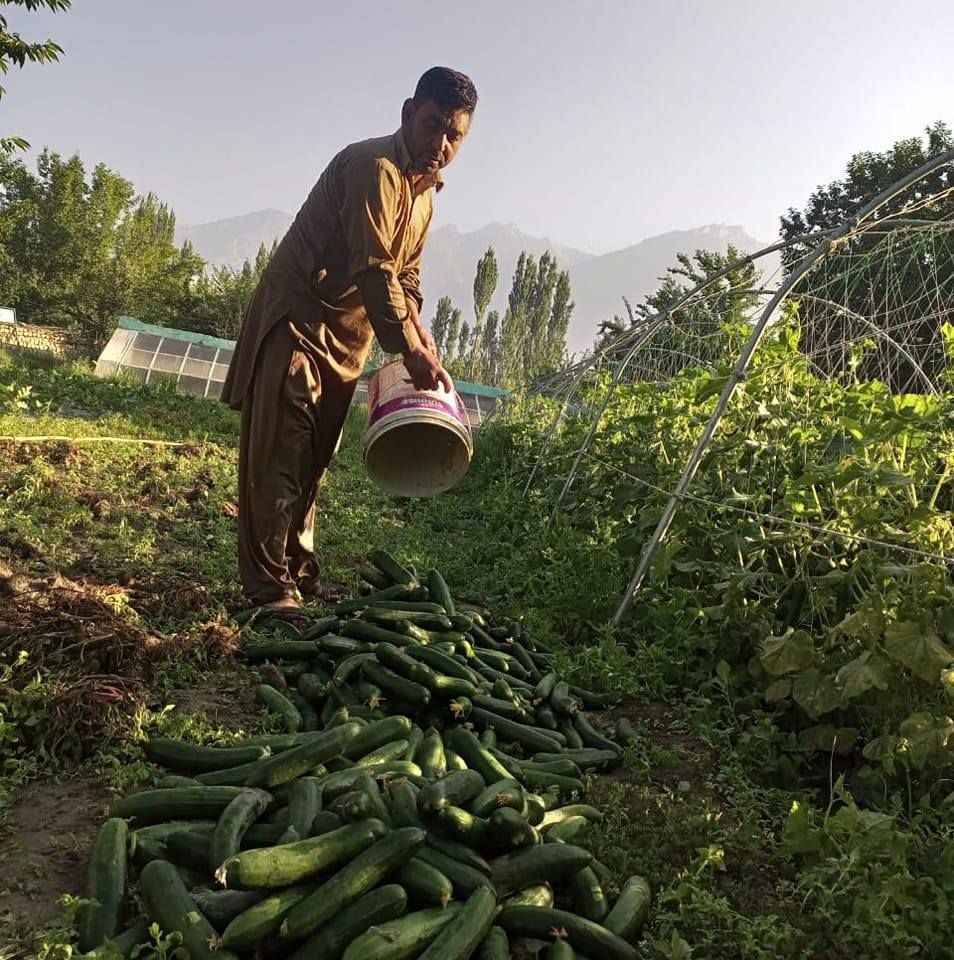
(344, 271)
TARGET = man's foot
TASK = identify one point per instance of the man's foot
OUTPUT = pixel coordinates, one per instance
(288, 608)
(324, 592)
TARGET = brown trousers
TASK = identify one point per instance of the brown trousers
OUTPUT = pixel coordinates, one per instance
(285, 447)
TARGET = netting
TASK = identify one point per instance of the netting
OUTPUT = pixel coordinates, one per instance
(828, 372)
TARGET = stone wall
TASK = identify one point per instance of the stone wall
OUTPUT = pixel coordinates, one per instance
(53, 342)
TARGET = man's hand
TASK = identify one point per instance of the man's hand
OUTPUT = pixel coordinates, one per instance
(427, 340)
(426, 370)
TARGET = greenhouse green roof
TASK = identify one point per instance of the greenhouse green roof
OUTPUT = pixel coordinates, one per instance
(131, 323)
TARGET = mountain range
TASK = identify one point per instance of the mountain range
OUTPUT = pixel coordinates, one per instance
(599, 282)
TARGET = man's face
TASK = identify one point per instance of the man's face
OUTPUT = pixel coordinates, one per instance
(432, 135)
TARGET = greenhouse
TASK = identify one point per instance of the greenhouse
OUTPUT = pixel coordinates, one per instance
(198, 363)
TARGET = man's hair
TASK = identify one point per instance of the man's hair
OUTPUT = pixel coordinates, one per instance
(449, 89)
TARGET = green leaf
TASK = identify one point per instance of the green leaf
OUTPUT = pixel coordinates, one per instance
(778, 690)
(865, 672)
(919, 649)
(947, 682)
(853, 427)
(825, 738)
(710, 387)
(786, 654)
(815, 693)
(928, 738)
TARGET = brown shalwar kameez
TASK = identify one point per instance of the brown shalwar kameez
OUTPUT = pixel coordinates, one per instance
(343, 273)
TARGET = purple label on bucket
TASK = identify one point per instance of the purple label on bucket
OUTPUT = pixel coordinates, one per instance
(412, 403)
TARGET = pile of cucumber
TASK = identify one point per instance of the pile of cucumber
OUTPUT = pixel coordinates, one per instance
(425, 800)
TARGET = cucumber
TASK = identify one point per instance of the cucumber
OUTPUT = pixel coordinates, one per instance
(320, 627)
(546, 718)
(374, 578)
(376, 735)
(277, 703)
(430, 755)
(458, 940)
(105, 885)
(260, 921)
(508, 830)
(191, 758)
(543, 741)
(539, 895)
(414, 740)
(404, 938)
(458, 851)
(464, 878)
(350, 667)
(537, 864)
(460, 825)
(393, 592)
(402, 800)
(592, 737)
(373, 909)
(551, 782)
(176, 803)
(536, 808)
(345, 645)
(562, 767)
(231, 777)
(625, 732)
(325, 821)
(494, 675)
(394, 571)
(418, 606)
(552, 817)
(560, 950)
(505, 792)
(443, 663)
(476, 756)
(175, 780)
(631, 909)
(406, 690)
(522, 656)
(425, 884)
(457, 789)
(573, 740)
(221, 907)
(588, 896)
(439, 591)
(501, 707)
(582, 934)
(562, 701)
(169, 904)
(379, 809)
(123, 944)
(392, 618)
(595, 701)
(368, 633)
(495, 946)
(488, 738)
(454, 760)
(279, 650)
(273, 867)
(290, 764)
(188, 849)
(352, 806)
(545, 687)
(234, 820)
(360, 875)
(567, 830)
(304, 804)
(394, 750)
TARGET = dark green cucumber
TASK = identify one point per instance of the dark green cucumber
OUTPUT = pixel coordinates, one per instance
(374, 578)
(406, 690)
(292, 670)
(443, 663)
(546, 718)
(560, 814)
(538, 895)
(544, 741)
(465, 879)
(595, 701)
(394, 592)
(353, 806)
(234, 820)
(537, 864)
(562, 701)
(439, 591)
(560, 950)
(191, 758)
(373, 909)
(536, 808)
(573, 740)
(458, 940)
(176, 780)
(123, 944)
(176, 803)
(502, 707)
(344, 646)
(457, 789)
(377, 734)
(419, 606)
(320, 627)
(508, 829)
(221, 907)
(403, 938)
(365, 871)
(274, 867)
(588, 896)
(592, 737)
(522, 656)
(379, 809)
(402, 801)
(260, 921)
(545, 687)
(454, 760)
(430, 755)
(278, 703)
(350, 667)
(488, 738)
(105, 885)
(563, 767)
(325, 821)
(567, 830)
(495, 946)
(582, 934)
(631, 909)
(169, 904)
(414, 740)
(505, 792)
(309, 716)
(425, 884)
(586, 758)
(394, 750)
(391, 618)
(394, 571)
(368, 633)
(625, 732)
(475, 755)
(280, 650)
(493, 675)
(304, 804)
(461, 825)
(551, 782)
(188, 849)
(290, 764)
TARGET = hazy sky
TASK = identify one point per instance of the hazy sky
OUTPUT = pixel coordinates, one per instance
(600, 122)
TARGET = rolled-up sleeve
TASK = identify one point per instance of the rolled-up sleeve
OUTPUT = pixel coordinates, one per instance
(410, 276)
(371, 200)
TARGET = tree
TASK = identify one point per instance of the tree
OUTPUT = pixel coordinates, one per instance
(516, 322)
(560, 313)
(222, 296)
(845, 294)
(490, 349)
(78, 252)
(462, 346)
(485, 284)
(453, 333)
(18, 52)
(440, 324)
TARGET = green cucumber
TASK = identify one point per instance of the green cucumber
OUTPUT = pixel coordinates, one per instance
(221, 907)
(505, 792)
(560, 950)
(393, 592)
(320, 627)
(414, 740)
(291, 764)
(465, 878)
(234, 820)
(558, 815)
(588, 896)
(273, 867)
(309, 716)
(458, 940)
(522, 656)
(349, 668)
(188, 849)
(192, 758)
(379, 809)
(538, 895)
(105, 886)
(460, 825)
(562, 701)
(123, 944)
(430, 755)
(363, 872)
(304, 804)
(476, 756)
(543, 741)
(495, 946)
(391, 618)
(545, 687)
(508, 830)
(397, 573)
(278, 703)
(454, 760)
(403, 938)
(254, 925)
(394, 750)
(169, 904)
(582, 934)
(325, 821)
(625, 732)
(175, 803)
(546, 718)
(439, 591)
(368, 633)
(592, 737)
(494, 675)
(293, 670)
(536, 808)
(567, 829)
(344, 646)
(502, 707)
(573, 740)
(631, 909)
(537, 864)
(457, 788)
(488, 737)
(175, 780)
(402, 800)
(279, 650)
(443, 663)
(373, 909)
(419, 606)
(374, 578)
(595, 701)
(353, 806)
(551, 782)
(562, 767)
(377, 734)
(406, 690)
(425, 884)
(312, 688)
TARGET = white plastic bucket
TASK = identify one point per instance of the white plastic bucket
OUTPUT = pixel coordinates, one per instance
(417, 442)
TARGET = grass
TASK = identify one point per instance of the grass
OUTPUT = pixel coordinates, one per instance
(135, 546)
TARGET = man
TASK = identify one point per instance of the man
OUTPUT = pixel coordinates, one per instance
(348, 269)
